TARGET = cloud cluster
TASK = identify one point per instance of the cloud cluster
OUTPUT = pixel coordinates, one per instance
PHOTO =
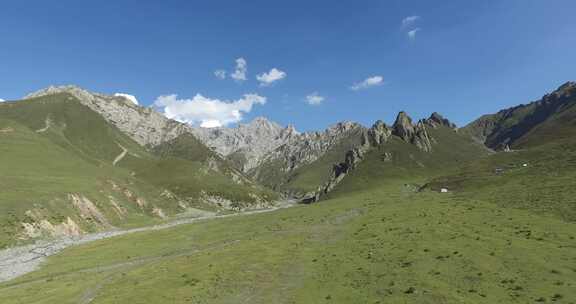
(412, 33)
(409, 21)
(206, 112)
(408, 24)
(2, 100)
(239, 73)
(131, 98)
(267, 79)
(369, 82)
(220, 74)
(314, 99)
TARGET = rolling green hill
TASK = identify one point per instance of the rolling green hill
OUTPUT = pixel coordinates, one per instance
(65, 170)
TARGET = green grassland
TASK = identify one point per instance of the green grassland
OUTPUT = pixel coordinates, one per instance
(53, 146)
(377, 239)
(382, 245)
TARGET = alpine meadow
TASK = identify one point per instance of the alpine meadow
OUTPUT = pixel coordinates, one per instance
(367, 152)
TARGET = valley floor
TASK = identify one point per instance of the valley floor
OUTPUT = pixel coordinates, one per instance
(390, 245)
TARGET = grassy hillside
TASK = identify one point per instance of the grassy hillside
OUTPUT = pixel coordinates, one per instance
(53, 147)
(544, 120)
(542, 179)
(376, 239)
(380, 245)
(38, 176)
(397, 159)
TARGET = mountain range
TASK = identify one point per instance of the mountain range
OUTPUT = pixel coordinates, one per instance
(75, 161)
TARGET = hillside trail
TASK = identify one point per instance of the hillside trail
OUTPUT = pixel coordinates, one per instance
(120, 156)
(18, 261)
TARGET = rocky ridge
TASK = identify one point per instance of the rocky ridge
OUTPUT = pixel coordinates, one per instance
(144, 125)
(247, 144)
(261, 142)
(377, 135)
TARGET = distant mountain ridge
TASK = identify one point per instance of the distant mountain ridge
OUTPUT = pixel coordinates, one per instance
(98, 161)
(513, 127)
(279, 157)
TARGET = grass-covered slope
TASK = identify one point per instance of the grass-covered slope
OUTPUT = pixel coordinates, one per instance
(49, 190)
(545, 120)
(65, 170)
(380, 245)
(396, 159)
(375, 239)
(541, 179)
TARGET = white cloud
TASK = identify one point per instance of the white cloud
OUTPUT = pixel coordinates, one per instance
(368, 83)
(410, 20)
(314, 99)
(206, 112)
(131, 98)
(2, 100)
(220, 74)
(274, 75)
(412, 33)
(241, 70)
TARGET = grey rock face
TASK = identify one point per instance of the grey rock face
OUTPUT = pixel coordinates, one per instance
(413, 134)
(250, 141)
(436, 120)
(307, 147)
(403, 127)
(421, 138)
(144, 125)
(379, 133)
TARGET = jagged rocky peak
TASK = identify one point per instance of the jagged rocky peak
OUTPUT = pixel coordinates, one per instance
(290, 130)
(379, 133)
(436, 120)
(250, 141)
(403, 127)
(262, 125)
(410, 133)
(342, 126)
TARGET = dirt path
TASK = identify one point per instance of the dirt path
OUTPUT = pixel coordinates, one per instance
(48, 123)
(18, 261)
(121, 156)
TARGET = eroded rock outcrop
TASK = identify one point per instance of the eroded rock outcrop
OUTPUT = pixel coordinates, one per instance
(413, 134)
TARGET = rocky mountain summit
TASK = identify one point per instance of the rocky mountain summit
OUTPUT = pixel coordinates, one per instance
(247, 144)
(144, 125)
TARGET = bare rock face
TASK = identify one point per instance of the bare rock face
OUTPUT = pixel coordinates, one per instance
(249, 142)
(306, 148)
(403, 127)
(421, 138)
(436, 120)
(144, 125)
(379, 133)
(413, 134)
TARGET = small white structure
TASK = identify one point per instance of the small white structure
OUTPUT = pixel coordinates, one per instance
(443, 190)
(524, 165)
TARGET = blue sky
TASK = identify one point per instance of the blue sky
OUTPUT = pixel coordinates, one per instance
(467, 58)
